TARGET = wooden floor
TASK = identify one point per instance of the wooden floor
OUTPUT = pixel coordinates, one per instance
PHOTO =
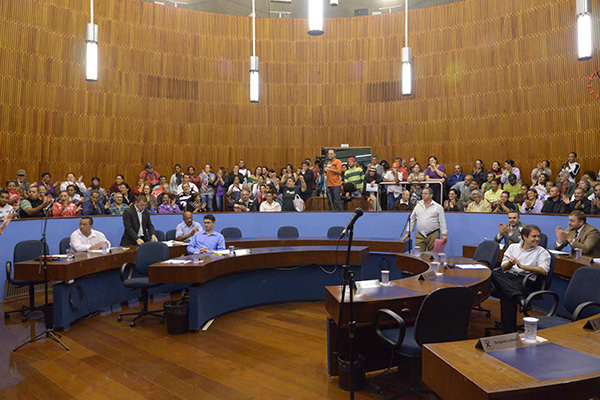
(274, 352)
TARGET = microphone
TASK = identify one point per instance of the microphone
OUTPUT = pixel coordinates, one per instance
(357, 214)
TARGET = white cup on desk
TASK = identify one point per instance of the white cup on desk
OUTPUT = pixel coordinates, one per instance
(530, 325)
(385, 277)
(578, 253)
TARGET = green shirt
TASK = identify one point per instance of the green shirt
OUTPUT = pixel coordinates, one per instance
(512, 189)
(355, 175)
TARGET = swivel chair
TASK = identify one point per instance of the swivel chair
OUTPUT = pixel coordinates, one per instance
(288, 232)
(487, 254)
(231, 233)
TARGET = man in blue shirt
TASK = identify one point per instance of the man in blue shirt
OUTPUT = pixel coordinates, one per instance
(207, 241)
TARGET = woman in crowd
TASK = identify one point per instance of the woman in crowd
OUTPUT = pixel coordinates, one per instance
(452, 203)
(233, 193)
(152, 204)
(128, 197)
(543, 167)
(63, 207)
(479, 173)
(496, 169)
(136, 190)
(114, 188)
(168, 205)
(207, 189)
(219, 185)
(79, 186)
(74, 197)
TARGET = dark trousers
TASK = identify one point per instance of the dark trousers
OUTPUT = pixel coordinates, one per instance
(334, 194)
(509, 287)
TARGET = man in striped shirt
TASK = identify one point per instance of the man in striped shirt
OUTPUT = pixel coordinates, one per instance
(355, 175)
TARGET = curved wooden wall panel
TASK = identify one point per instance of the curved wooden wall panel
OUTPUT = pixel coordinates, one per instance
(494, 79)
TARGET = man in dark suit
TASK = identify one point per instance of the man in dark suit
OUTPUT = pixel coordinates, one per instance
(579, 234)
(138, 227)
(511, 232)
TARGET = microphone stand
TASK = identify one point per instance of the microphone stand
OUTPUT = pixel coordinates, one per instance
(409, 223)
(348, 282)
(48, 314)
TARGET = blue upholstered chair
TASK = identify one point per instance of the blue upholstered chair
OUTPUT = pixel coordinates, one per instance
(171, 234)
(231, 233)
(147, 254)
(25, 250)
(288, 232)
(335, 232)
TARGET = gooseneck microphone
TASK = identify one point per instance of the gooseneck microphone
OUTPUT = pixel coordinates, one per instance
(357, 214)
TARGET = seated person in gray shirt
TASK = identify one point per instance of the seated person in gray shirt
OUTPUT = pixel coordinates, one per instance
(187, 228)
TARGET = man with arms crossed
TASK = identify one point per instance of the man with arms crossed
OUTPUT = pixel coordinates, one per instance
(519, 260)
(430, 220)
(579, 234)
(85, 238)
(187, 228)
(208, 240)
(334, 181)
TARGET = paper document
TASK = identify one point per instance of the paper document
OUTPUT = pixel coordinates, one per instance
(439, 246)
(470, 266)
(176, 261)
(557, 252)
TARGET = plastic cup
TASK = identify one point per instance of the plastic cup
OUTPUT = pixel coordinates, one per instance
(530, 325)
(437, 268)
(232, 251)
(385, 276)
(578, 253)
(70, 254)
(418, 251)
(195, 258)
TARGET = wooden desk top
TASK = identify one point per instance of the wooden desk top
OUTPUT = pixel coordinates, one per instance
(564, 265)
(406, 305)
(214, 266)
(375, 244)
(459, 371)
(83, 264)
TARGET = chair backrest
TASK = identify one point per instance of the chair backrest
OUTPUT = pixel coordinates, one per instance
(231, 232)
(487, 253)
(444, 315)
(160, 235)
(550, 274)
(583, 287)
(335, 232)
(150, 253)
(64, 244)
(27, 250)
(288, 232)
(543, 240)
(171, 234)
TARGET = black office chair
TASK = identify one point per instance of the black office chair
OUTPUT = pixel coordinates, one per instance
(581, 294)
(335, 232)
(288, 232)
(64, 245)
(532, 283)
(487, 254)
(147, 254)
(160, 235)
(543, 240)
(231, 233)
(346, 197)
(443, 317)
(171, 234)
(25, 250)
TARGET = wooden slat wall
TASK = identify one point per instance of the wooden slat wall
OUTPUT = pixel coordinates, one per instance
(494, 79)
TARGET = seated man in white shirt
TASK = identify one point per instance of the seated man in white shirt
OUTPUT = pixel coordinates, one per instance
(85, 238)
(186, 179)
(187, 228)
(269, 205)
(519, 260)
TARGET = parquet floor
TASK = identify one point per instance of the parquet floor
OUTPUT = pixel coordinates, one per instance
(272, 352)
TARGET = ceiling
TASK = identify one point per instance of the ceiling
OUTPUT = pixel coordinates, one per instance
(297, 8)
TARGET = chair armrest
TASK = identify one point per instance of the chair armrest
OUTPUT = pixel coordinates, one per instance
(124, 269)
(9, 271)
(401, 325)
(533, 278)
(580, 308)
(540, 293)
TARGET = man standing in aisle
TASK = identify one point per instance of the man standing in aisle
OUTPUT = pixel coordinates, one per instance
(334, 181)
(138, 227)
(430, 221)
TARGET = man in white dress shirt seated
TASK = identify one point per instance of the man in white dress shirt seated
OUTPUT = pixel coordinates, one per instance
(85, 238)
(187, 228)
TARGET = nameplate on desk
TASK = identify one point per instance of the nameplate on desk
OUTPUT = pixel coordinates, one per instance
(368, 284)
(428, 276)
(593, 324)
(499, 342)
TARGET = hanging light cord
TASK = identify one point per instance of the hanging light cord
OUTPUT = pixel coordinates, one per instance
(405, 23)
(253, 27)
